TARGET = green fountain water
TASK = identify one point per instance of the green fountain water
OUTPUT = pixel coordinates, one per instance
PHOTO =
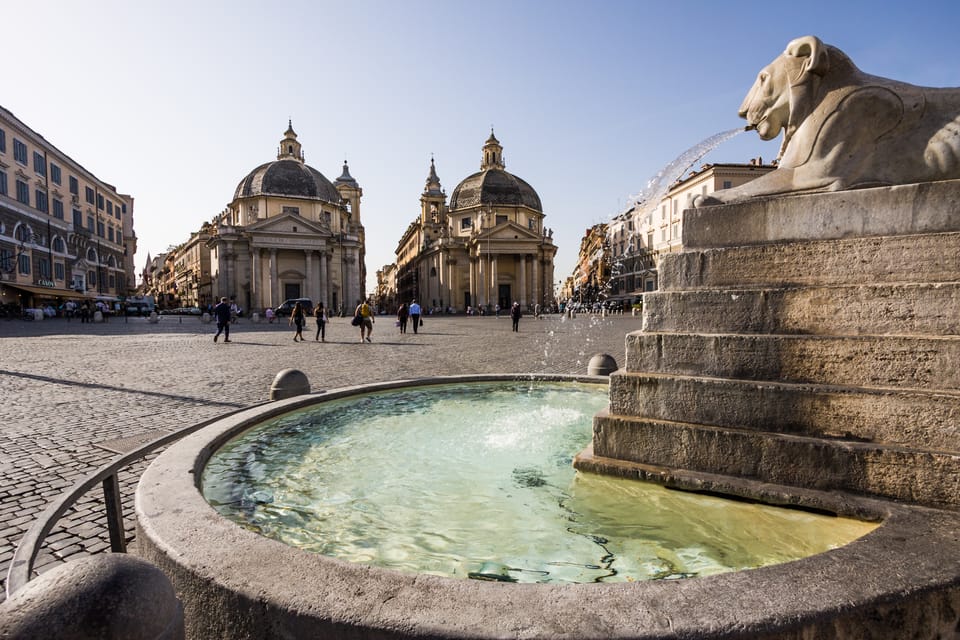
(475, 481)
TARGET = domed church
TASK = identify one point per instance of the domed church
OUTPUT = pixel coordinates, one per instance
(487, 247)
(290, 233)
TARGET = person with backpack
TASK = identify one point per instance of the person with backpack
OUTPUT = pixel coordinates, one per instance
(364, 313)
(298, 317)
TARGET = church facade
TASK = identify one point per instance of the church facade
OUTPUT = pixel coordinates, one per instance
(290, 233)
(487, 246)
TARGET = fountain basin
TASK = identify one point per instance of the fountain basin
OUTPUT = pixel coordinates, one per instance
(237, 584)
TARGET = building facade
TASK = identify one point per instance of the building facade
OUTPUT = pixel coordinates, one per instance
(636, 237)
(64, 233)
(488, 246)
(290, 233)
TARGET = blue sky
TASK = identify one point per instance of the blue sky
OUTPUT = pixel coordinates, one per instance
(174, 102)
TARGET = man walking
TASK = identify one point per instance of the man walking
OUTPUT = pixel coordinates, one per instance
(415, 315)
(222, 313)
(515, 314)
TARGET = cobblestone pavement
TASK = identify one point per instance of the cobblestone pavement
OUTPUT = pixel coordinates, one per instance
(73, 393)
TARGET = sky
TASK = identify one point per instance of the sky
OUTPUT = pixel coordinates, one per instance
(174, 102)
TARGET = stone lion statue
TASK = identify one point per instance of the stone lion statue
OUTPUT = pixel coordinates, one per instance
(845, 129)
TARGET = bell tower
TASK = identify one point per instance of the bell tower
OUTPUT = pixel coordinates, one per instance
(290, 149)
(492, 154)
(433, 199)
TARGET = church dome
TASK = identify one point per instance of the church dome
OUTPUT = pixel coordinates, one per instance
(287, 178)
(493, 185)
(288, 175)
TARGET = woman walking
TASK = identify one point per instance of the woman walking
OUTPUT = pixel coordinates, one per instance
(402, 314)
(321, 315)
(364, 314)
(297, 317)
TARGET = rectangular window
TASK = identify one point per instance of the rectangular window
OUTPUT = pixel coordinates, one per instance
(59, 271)
(675, 231)
(92, 278)
(727, 184)
(109, 208)
(110, 234)
(39, 164)
(19, 152)
(112, 282)
(465, 223)
(90, 224)
(23, 192)
(501, 219)
(99, 201)
(3, 183)
(58, 209)
(77, 219)
(6, 259)
(55, 174)
(3, 141)
(89, 194)
(74, 186)
(24, 266)
(43, 268)
(99, 228)
(41, 200)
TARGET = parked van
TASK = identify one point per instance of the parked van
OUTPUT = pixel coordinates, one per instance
(286, 308)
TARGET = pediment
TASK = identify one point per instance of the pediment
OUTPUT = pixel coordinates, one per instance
(509, 231)
(287, 223)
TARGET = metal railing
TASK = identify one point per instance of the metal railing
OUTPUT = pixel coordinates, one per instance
(21, 567)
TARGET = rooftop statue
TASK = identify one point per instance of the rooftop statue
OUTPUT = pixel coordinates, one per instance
(845, 129)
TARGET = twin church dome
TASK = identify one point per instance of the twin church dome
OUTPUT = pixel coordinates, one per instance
(289, 175)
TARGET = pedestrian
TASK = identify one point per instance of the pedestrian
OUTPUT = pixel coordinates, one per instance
(515, 314)
(234, 311)
(269, 314)
(222, 313)
(498, 311)
(415, 315)
(365, 314)
(297, 317)
(321, 315)
(403, 313)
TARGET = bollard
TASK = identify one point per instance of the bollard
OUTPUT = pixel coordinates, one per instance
(98, 316)
(106, 596)
(255, 318)
(289, 383)
(205, 318)
(602, 364)
(154, 318)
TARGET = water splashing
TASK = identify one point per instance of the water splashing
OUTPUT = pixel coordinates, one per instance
(658, 186)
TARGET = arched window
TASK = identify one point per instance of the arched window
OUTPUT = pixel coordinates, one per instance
(111, 261)
(91, 255)
(22, 233)
(58, 245)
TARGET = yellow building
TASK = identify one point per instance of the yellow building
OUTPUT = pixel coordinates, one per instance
(487, 247)
(62, 233)
(290, 233)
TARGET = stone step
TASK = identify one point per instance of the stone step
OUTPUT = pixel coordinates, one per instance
(925, 477)
(903, 309)
(918, 419)
(901, 362)
(929, 207)
(926, 258)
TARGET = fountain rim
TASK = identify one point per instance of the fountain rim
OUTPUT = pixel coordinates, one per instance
(269, 584)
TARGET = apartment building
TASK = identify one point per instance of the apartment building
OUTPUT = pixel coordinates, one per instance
(62, 229)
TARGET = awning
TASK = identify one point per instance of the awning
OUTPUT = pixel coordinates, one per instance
(51, 292)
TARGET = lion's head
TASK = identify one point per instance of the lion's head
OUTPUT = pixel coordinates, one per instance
(776, 101)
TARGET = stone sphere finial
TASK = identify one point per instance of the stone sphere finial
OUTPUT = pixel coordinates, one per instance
(602, 364)
(289, 383)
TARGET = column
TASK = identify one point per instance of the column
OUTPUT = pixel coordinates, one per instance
(472, 266)
(523, 281)
(274, 281)
(481, 281)
(324, 277)
(537, 295)
(308, 274)
(255, 283)
(495, 291)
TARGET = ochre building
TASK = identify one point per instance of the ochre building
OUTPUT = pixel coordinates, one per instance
(487, 247)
